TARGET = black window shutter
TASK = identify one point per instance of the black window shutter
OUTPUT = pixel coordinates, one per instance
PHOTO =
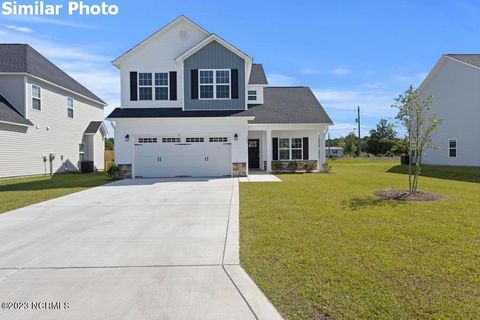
(275, 148)
(234, 75)
(133, 86)
(194, 82)
(173, 85)
(305, 148)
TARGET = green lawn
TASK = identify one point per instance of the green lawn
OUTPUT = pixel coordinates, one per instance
(17, 193)
(323, 247)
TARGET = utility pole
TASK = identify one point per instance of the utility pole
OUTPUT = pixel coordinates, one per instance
(359, 137)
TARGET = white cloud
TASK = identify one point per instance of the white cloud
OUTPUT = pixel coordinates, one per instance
(19, 29)
(340, 71)
(310, 71)
(276, 79)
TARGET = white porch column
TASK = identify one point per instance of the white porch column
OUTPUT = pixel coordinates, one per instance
(321, 148)
(269, 150)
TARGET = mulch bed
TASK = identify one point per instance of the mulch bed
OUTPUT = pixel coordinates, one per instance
(404, 195)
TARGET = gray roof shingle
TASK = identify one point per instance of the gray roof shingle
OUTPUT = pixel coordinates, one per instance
(93, 127)
(472, 59)
(281, 105)
(8, 113)
(23, 58)
(257, 75)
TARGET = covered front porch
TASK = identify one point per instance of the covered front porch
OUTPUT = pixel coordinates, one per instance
(273, 147)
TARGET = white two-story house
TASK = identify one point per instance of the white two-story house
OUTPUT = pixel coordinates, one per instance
(454, 86)
(193, 104)
(49, 122)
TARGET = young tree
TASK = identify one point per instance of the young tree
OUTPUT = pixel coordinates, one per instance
(415, 115)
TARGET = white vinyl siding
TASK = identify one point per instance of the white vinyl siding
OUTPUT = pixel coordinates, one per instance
(52, 132)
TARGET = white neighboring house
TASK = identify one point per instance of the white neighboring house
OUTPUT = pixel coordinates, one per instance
(454, 84)
(333, 152)
(48, 121)
(192, 104)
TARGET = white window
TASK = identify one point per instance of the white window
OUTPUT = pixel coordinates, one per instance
(252, 95)
(214, 84)
(161, 86)
(145, 86)
(81, 151)
(194, 139)
(452, 148)
(70, 107)
(147, 140)
(218, 139)
(36, 97)
(170, 140)
(290, 149)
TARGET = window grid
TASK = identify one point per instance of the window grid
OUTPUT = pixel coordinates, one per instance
(170, 140)
(147, 140)
(452, 148)
(145, 86)
(194, 139)
(290, 149)
(218, 139)
(252, 95)
(81, 151)
(214, 84)
(36, 97)
(70, 107)
(161, 86)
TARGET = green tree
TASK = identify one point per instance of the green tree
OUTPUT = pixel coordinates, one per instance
(109, 144)
(382, 139)
(414, 113)
(350, 144)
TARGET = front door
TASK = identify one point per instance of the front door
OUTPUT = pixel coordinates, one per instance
(253, 153)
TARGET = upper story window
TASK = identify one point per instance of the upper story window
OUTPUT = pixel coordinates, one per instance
(145, 86)
(161, 86)
(36, 97)
(290, 149)
(70, 107)
(252, 95)
(214, 84)
(452, 148)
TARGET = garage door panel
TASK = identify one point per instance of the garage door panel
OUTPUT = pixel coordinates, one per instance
(199, 159)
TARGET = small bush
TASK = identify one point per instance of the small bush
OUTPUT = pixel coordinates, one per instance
(310, 166)
(277, 166)
(292, 166)
(327, 166)
(112, 170)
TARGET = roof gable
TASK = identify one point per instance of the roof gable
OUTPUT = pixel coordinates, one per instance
(257, 75)
(9, 114)
(157, 33)
(208, 40)
(22, 58)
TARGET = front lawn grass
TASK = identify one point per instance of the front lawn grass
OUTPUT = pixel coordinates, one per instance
(322, 246)
(21, 192)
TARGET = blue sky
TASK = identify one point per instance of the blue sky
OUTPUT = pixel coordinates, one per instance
(349, 52)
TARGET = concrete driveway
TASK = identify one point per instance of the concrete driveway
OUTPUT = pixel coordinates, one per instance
(134, 249)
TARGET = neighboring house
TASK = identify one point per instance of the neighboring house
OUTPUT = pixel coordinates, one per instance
(333, 152)
(192, 104)
(454, 85)
(48, 121)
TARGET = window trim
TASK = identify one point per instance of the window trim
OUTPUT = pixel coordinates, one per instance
(254, 95)
(194, 139)
(147, 140)
(171, 140)
(155, 86)
(290, 149)
(38, 98)
(146, 86)
(81, 151)
(450, 148)
(70, 108)
(215, 84)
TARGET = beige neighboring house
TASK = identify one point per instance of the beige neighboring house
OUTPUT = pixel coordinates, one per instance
(454, 85)
(48, 121)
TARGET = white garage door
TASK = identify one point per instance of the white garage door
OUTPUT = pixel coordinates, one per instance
(187, 156)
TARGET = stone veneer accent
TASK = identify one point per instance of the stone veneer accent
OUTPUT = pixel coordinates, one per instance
(125, 171)
(239, 169)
